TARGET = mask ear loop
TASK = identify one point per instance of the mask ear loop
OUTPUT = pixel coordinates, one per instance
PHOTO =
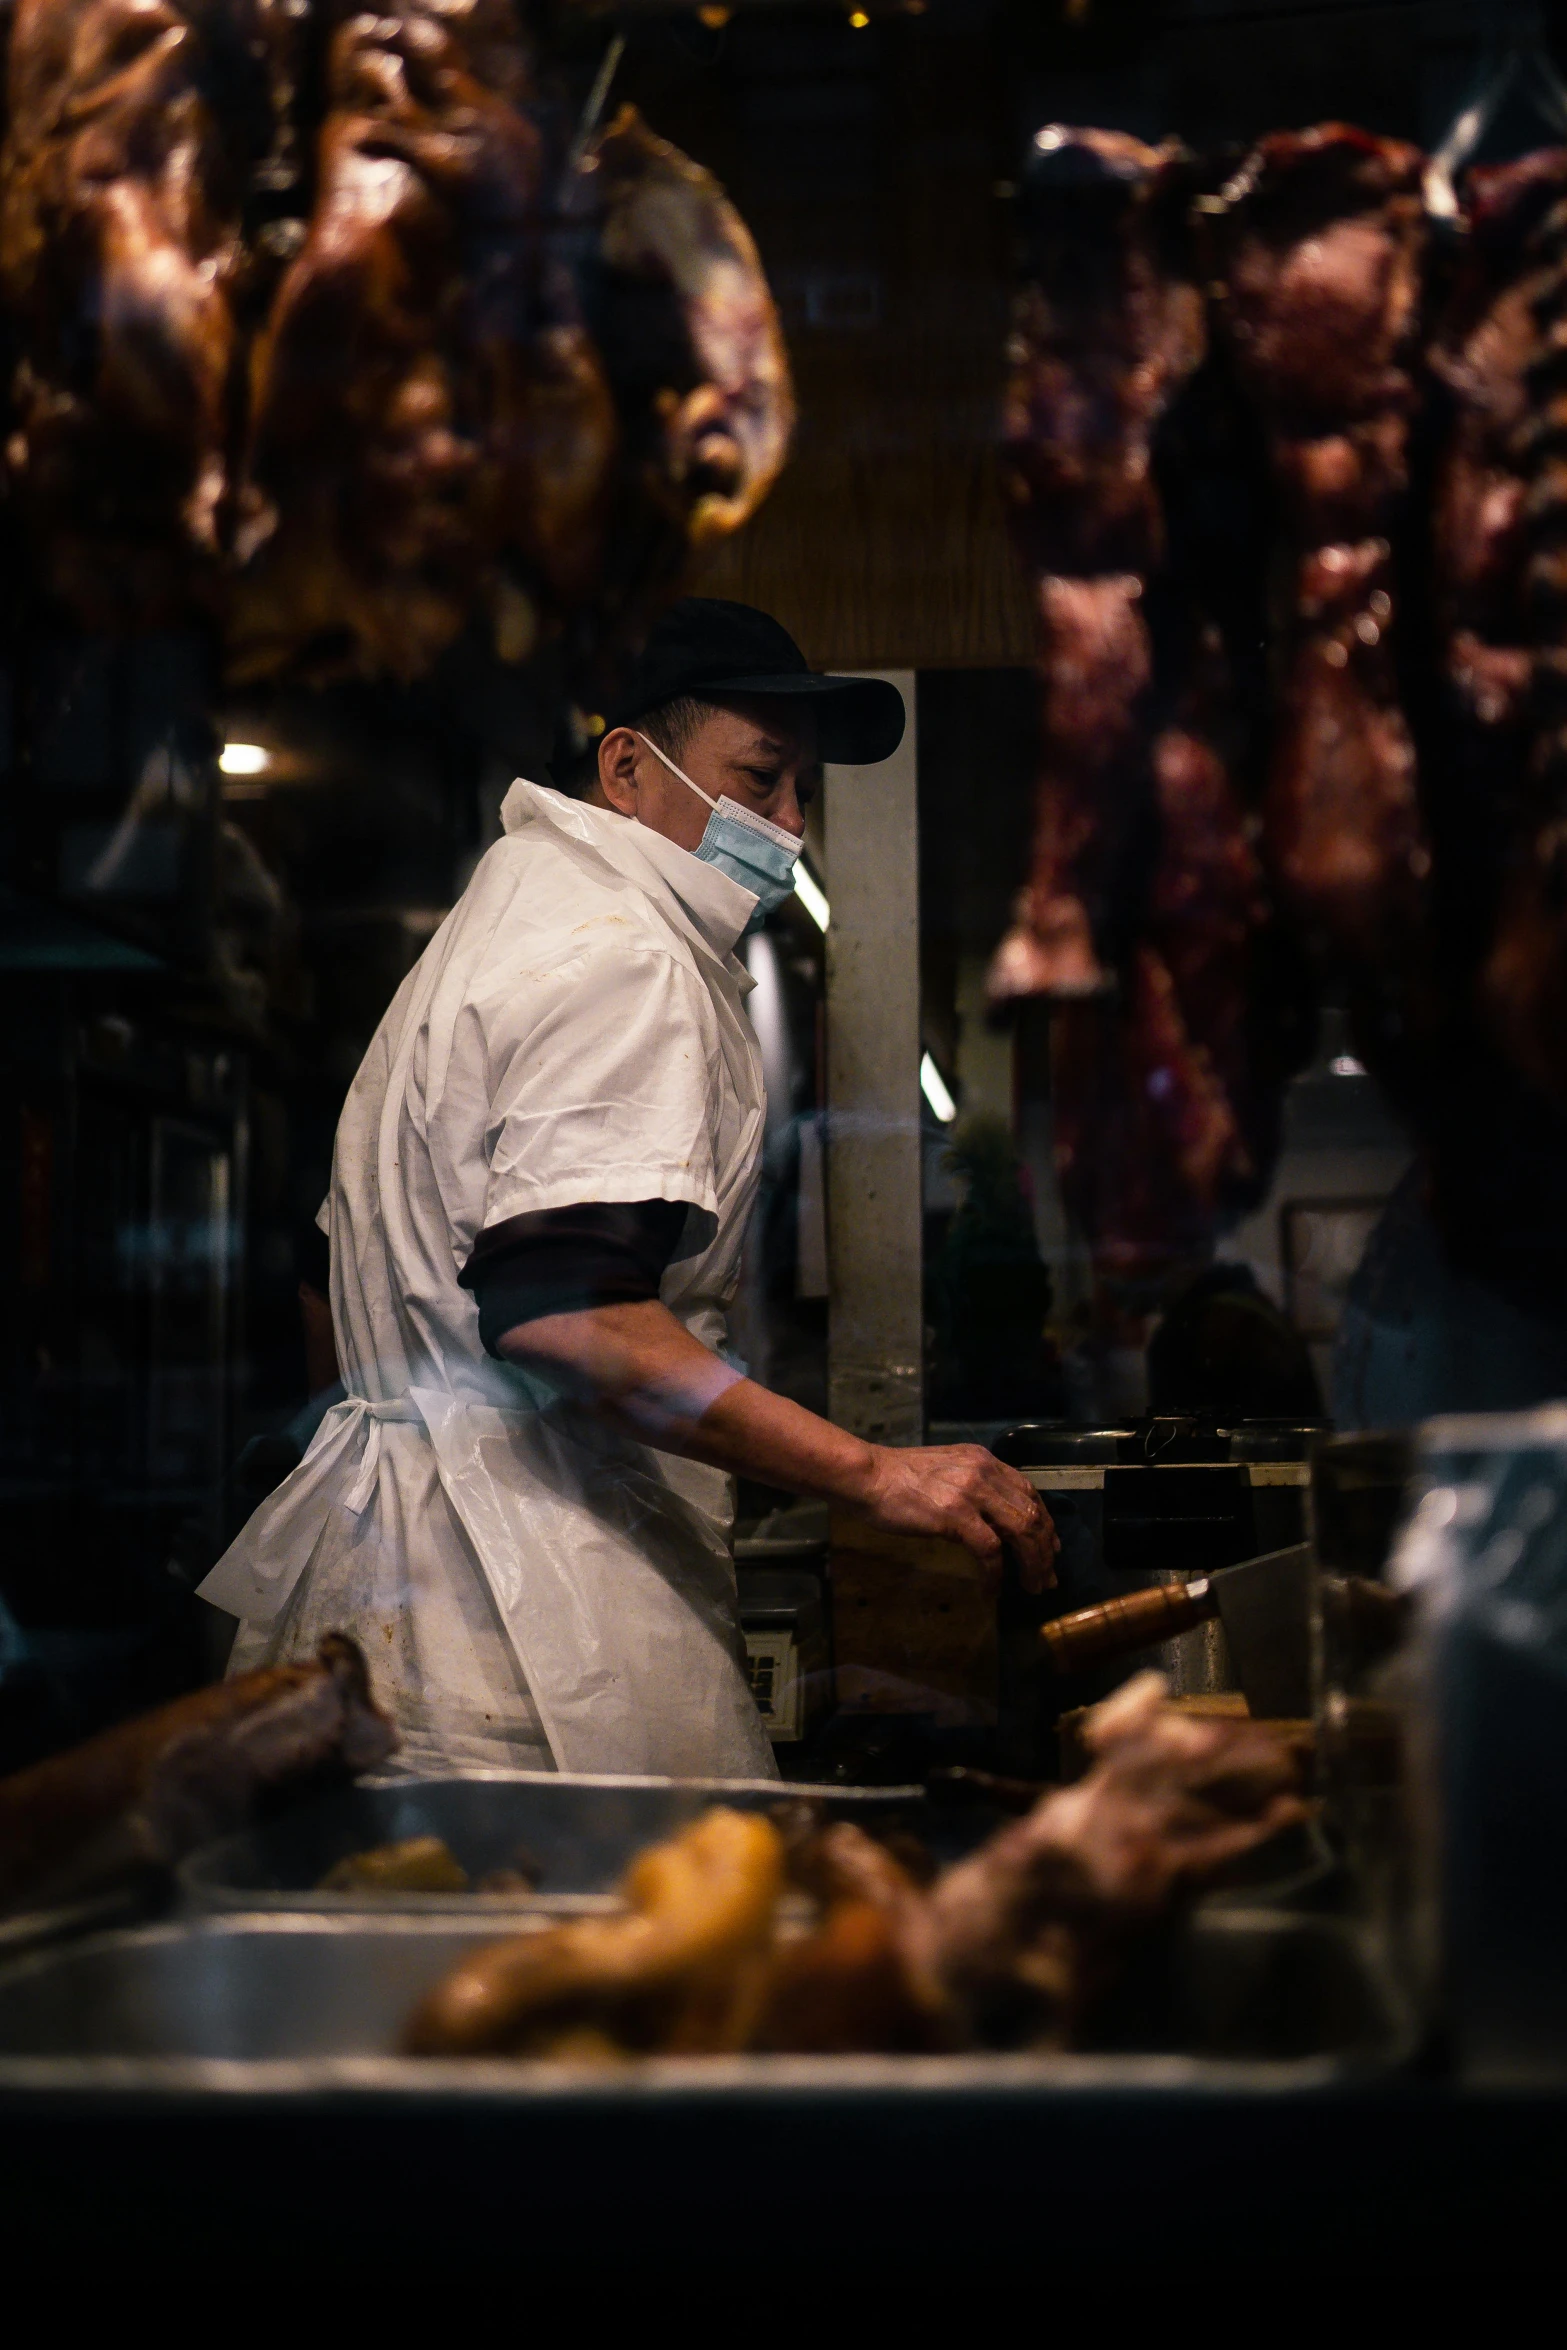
(678, 772)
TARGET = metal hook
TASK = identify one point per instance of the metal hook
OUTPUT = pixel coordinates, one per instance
(1526, 65)
(596, 99)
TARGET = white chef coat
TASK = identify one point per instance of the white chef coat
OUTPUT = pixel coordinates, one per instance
(528, 1586)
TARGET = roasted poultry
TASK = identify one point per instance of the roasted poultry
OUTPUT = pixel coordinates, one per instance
(431, 434)
(1010, 1947)
(135, 1799)
(684, 1970)
(133, 126)
(329, 376)
(494, 383)
(688, 333)
(1017, 1943)
(681, 315)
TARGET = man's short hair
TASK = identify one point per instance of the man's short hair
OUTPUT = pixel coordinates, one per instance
(675, 724)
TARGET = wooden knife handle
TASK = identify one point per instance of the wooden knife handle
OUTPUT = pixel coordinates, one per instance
(1134, 1622)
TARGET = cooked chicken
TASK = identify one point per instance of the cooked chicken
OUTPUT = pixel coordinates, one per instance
(683, 1969)
(138, 1797)
(1021, 1936)
(133, 124)
(431, 433)
(1015, 1944)
(689, 334)
(1010, 1946)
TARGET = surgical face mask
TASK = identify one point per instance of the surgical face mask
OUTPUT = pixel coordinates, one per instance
(759, 855)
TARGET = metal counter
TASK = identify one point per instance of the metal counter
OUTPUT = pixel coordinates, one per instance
(213, 2129)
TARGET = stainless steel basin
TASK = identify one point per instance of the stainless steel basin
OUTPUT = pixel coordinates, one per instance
(576, 1834)
(252, 1990)
(210, 2002)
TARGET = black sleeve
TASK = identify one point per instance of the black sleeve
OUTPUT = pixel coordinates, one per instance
(563, 1260)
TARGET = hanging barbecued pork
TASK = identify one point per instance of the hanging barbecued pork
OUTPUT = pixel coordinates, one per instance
(431, 434)
(1487, 341)
(1321, 243)
(1168, 1092)
(1108, 327)
(1145, 920)
(133, 127)
(1524, 981)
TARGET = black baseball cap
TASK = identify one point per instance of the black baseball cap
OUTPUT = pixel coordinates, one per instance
(705, 645)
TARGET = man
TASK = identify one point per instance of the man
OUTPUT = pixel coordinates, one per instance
(539, 1197)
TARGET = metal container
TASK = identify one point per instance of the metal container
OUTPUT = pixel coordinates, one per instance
(573, 1835)
(114, 1905)
(246, 2003)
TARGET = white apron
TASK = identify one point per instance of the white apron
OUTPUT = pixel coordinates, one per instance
(529, 1587)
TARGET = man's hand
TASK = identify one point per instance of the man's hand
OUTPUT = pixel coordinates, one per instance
(639, 1368)
(966, 1494)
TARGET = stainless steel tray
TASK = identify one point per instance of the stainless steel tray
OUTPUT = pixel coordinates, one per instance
(302, 2006)
(579, 1833)
(22, 1930)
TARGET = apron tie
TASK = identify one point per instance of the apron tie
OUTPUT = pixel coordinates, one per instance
(396, 1410)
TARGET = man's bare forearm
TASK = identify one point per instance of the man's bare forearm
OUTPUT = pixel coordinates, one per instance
(644, 1371)
(755, 1433)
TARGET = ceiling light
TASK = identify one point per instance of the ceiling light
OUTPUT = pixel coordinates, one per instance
(933, 1087)
(244, 759)
(1346, 1065)
(809, 892)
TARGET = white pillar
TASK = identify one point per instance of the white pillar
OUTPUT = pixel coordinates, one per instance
(875, 1342)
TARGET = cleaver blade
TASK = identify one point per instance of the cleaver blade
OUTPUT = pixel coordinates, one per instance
(1264, 1605)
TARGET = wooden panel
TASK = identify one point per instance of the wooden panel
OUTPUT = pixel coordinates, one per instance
(872, 167)
(866, 165)
(912, 1630)
(876, 565)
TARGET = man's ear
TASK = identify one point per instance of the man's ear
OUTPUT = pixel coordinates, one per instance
(618, 769)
